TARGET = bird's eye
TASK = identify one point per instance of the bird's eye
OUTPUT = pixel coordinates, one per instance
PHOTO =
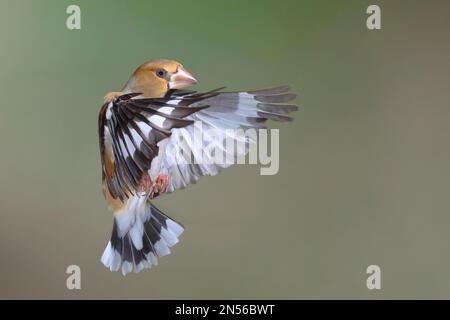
(161, 73)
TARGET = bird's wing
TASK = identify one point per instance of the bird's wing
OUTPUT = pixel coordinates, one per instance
(129, 132)
(139, 136)
(226, 110)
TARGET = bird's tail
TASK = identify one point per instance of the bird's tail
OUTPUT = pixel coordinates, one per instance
(140, 235)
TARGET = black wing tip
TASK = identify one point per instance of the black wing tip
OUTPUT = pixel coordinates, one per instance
(276, 98)
(277, 108)
(271, 90)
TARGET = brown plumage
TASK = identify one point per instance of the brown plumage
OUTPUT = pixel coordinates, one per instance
(146, 81)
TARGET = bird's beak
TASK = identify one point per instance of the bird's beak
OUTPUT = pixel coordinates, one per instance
(181, 79)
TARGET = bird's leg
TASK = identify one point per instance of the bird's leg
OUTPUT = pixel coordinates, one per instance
(159, 186)
(146, 184)
(110, 96)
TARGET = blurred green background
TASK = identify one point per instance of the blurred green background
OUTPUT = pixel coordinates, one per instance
(364, 169)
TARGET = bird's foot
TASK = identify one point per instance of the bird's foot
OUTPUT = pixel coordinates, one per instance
(111, 96)
(145, 184)
(159, 186)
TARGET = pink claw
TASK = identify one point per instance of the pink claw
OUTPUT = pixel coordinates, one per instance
(159, 186)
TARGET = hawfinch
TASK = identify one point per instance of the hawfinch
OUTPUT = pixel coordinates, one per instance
(141, 129)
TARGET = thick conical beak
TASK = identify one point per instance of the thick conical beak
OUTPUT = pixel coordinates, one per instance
(181, 79)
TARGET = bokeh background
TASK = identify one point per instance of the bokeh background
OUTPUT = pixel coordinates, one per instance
(364, 169)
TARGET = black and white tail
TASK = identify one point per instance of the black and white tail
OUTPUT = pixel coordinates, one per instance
(141, 234)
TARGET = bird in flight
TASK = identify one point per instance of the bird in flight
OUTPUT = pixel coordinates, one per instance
(141, 131)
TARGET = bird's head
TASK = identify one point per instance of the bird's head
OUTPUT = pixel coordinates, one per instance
(154, 78)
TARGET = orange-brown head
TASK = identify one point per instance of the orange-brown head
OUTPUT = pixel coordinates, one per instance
(153, 78)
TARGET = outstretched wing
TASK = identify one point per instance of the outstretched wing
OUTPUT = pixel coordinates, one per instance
(227, 110)
(140, 136)
(129, 132)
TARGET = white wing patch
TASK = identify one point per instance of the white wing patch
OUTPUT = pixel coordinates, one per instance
(137, 138)
(145, 128)
(166, 110)
(158, 120)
